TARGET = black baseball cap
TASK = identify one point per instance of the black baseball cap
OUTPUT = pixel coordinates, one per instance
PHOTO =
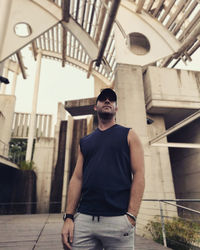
(107, 93)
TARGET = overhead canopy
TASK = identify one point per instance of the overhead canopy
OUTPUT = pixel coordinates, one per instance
(81, 32)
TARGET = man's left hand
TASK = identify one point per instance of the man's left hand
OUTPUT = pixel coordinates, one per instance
(132, 221)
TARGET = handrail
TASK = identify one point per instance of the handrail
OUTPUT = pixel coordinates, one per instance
(168, 201)
(175, 200)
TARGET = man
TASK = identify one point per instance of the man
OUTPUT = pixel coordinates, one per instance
(107, 184)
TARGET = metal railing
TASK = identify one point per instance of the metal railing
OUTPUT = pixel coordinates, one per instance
(164, 209)
(183, 212)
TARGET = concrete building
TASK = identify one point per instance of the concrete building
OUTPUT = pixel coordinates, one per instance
(131, 46)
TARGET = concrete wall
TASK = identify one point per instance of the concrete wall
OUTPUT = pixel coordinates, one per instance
(43, 159)
(186, 164)
(171, 88)
(7, 105)
(175, 94)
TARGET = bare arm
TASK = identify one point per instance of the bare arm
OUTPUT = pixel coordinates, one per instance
(75, 186)
(74, 193)
(137, 166)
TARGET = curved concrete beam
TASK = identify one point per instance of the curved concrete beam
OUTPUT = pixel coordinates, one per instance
(78, 64)
(43, 15)
(40, 19)
(162, 42)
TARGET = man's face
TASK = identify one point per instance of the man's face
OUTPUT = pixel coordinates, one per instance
(106, 109)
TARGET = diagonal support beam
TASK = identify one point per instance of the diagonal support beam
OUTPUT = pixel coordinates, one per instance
(34, 49)
(64, 45)
(112, 14)
(65, 10)
(65, 17)
(140, 6)
(21, 64)
(101, 20)
(177, 126)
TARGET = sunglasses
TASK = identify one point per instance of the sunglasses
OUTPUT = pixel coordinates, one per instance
(103, 98)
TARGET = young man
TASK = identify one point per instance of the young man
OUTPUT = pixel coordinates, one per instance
(107, 185)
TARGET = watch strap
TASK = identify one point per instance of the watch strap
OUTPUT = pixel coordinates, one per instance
(66, 216)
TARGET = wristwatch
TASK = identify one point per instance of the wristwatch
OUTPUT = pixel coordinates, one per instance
(70, 216)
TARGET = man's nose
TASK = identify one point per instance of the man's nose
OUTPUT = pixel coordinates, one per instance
(107, 100)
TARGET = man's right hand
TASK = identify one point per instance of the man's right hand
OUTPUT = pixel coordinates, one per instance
(68, 233)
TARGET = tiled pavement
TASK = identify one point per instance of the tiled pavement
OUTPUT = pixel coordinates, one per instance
(42, 231)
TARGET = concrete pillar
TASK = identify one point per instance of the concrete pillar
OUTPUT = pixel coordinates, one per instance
(34, 109)
(1, 69)
(5, 74)
(132, 113)
(13, 88)
(131, 103)
(69, 139)
(160, 175)
(43, 159)
(163, 188)
(98, 86)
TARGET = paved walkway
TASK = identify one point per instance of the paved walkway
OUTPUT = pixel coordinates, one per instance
(42, 231)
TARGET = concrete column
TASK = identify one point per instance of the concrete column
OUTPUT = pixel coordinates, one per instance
(1, 69)
(13, 88)
(69, 138)
(98, 86)
(132, 113)
(5, 74)
(160, 174)
(34, 109)
(43, 159)
(131, 103)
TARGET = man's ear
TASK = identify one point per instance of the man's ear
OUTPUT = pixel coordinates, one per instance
(95, 107)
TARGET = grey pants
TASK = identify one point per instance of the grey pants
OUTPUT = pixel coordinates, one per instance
(108, 233)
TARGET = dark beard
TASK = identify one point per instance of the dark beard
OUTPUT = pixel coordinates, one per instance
(106, 116)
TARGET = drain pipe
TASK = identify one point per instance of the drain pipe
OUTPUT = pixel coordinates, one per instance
(111, 18)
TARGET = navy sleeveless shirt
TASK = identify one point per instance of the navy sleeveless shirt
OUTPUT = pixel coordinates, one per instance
(107, 172)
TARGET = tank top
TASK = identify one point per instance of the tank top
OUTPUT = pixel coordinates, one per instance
(107, 174)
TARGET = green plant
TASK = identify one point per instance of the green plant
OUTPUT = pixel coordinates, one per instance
(27, 165)
(17, 150)
(180, 233)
